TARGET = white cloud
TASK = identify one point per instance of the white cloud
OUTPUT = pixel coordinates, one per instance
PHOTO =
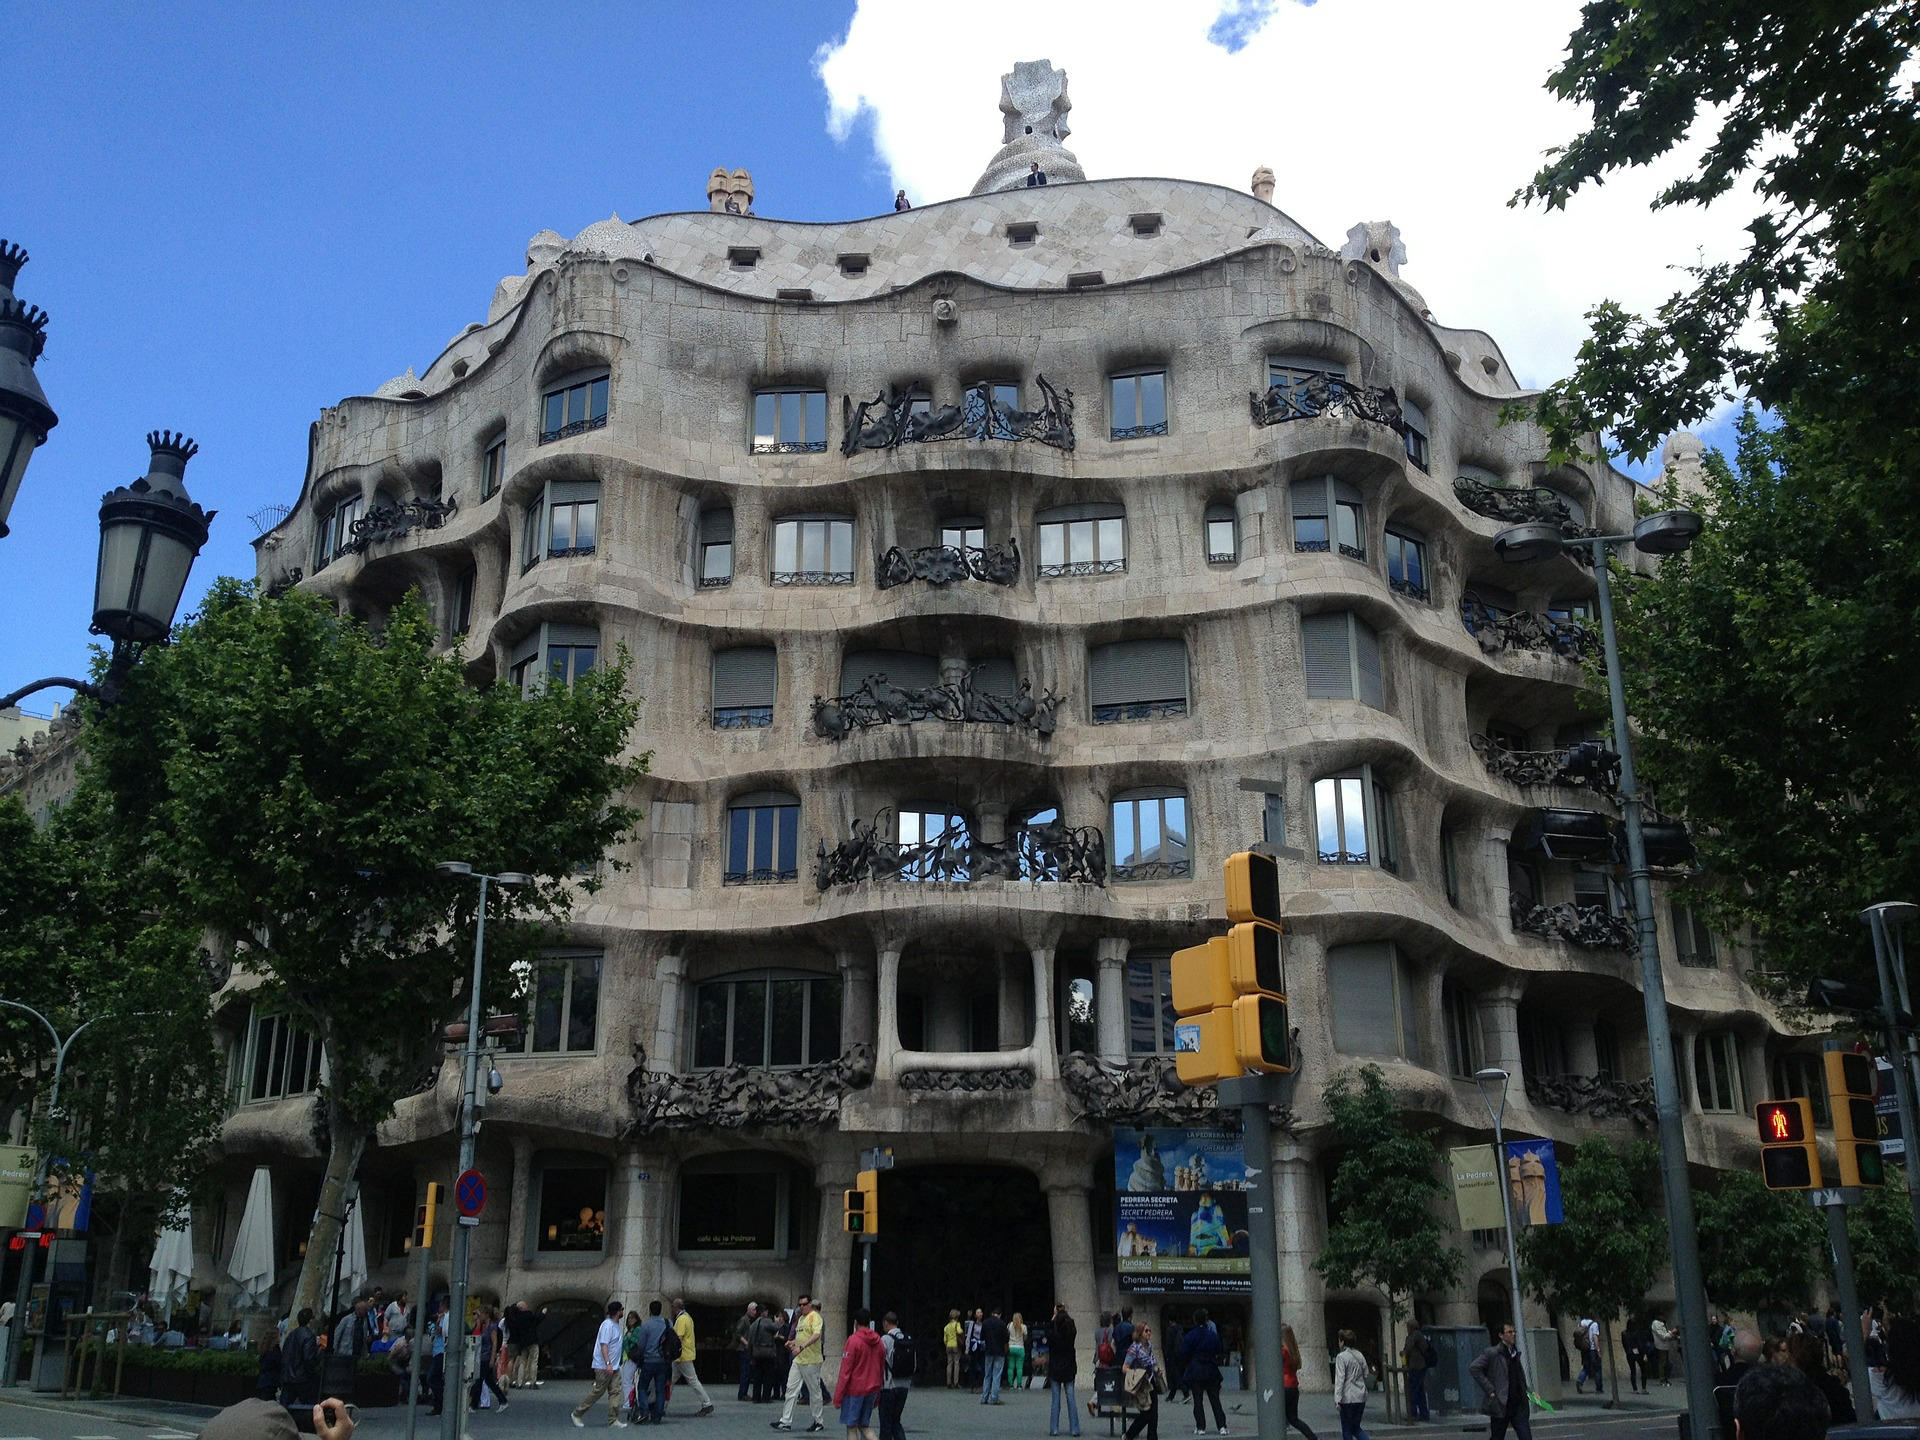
(1427, 114)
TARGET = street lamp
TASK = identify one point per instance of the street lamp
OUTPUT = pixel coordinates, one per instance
(150, 533)
(1483, 1078)
(1666, 533)
(1890, 960)
(25, 416)
(455, 1390)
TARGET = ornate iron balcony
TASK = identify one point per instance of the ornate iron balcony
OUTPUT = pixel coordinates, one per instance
(758, 877)
(1588, 926)
(789, 447)
(578, 427)
(803, 1097)
(567, 552)
(742, 717)
(1588, 765)
(1139, 710)
(1523, 505)
(968, 1081)
(1345, 857)
(1498, 630)
(1137, 432)
(878, 701)
(900, 415)
(393, 519)
(715, 582)
(1145, 1090)
(1410, 590)
(811, 577)
(1154, 870)
(1046, 851)
(1326, 395)
(1083, 567)
(1599, 1096)
(1222, 558)
(946, 564)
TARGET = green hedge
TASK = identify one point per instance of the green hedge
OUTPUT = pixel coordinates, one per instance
(222, 1362)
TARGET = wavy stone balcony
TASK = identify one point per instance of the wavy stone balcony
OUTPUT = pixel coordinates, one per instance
(1327, 395)
(906, 415)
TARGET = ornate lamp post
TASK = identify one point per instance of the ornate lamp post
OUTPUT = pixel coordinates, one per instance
(1667, 533)
(25, 416)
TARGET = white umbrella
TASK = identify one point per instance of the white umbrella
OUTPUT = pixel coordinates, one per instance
(171, 1269)
(353, 1267)
(251, 1264)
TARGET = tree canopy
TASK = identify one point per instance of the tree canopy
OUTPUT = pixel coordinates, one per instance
(292, 776)
(1757, 1246)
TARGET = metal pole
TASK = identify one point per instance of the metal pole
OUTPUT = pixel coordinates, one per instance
(1256, 1142)
(1513, 1250)
(1690, 1290)
(454, 1414)
(1849, 1305)
(1884, 944)
(417, 1337)
(866, 1273)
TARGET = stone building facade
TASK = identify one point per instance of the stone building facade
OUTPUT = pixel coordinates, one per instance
(989, 572)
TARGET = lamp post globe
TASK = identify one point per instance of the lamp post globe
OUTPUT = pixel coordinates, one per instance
(1667, 533)
(150, 534)
(1528, 544)
(25, 416)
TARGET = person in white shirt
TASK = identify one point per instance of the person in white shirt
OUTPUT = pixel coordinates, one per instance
(606, 1370)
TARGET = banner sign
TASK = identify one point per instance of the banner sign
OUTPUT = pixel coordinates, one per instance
(1180, 1211)
(1533, 1185)
(17, 1166)
(1476, 1188)
(68, 1205)
(1886, 1107)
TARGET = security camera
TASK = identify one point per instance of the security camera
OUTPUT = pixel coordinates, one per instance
(496, 1082)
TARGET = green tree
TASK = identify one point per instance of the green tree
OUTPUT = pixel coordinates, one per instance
(1757, 1246)
(1886, 1261)
(294, 774)
(1383, 1230)
(1604, 1257)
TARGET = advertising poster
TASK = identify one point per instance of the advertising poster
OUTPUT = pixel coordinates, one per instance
(1886, 1107)
(17, 1165)
(69, 1206)
(1532, 1178)
(1180, 1211)
(1476, 1188)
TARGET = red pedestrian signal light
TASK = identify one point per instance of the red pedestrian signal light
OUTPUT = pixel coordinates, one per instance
(1781, 1123)
(1789, 1159)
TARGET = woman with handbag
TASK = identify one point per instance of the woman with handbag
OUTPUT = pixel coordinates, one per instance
(1350, 1376)
(1140, 1375)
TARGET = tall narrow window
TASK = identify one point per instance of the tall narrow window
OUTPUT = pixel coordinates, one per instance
(1606, 1050)
(1692, 940)
(789, 422)
(1716, 1071)
(493, 468)
(1353, 820)
(1150, 1012)
(987, 406)
(461, 620)
(563, 1003)
(1372, 998)
(1150, 839)
(1450, 864)
(1137, 404)
(814, 550)
(554, 654)
(573, 406)
(1463, 1030)
(1594, 890)
(1082, 540)
(1407, 564)
(1415, 433)
(1137, 680)
(1273, 819)
(1328, 515)
(763, 839)
(335, 537)
(942, 838)
(716, 547)
(1543, 1043)
(563, 520)
(769, 1017)
(743, 687)
(1341, 655)
(1223, 535)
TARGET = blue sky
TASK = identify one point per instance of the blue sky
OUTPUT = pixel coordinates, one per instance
(238, 214)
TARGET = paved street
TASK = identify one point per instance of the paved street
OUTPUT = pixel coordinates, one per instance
(931, 1413)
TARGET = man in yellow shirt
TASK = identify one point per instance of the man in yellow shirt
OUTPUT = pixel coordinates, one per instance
(807, 1354)
(683, 1370)
(951, 1335)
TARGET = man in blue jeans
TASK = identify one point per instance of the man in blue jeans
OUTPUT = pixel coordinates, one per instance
(645, 1348)
(1063, 1368)
(993, 1341)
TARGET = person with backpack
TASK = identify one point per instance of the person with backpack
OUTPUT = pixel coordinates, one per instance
(1063, 1368)
(862, 1376)
(1417, 1355)
(1105, 1357)
(647, 1347)
(901, 1360)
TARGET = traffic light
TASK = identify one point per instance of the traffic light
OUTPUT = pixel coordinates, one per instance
(1231, 991)
(423, 1216)
(1851, 1085)
(862, 1214)
(1789, 1159)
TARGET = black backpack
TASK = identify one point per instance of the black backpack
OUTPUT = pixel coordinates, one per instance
(670, 1345)
(901, 1366)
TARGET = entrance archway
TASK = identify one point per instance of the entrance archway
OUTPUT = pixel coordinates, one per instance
(955, 1237)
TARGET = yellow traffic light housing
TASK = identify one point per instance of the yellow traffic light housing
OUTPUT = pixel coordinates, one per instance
(424, 1213)
(1231, 992)
(862, 1205)
(1851, 1086)
(1253, 887)
(1789, 1158)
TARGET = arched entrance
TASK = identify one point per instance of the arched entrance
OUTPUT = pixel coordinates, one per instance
(954, 1237)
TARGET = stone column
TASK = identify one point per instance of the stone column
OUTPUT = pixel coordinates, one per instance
(1499, 893)
(670, 974)
(1500, 1029)
(1754, 1084)
(886, 1045)
(640, 1229)
(1683, 1040)
(833, 1262)
(1110, 999)
(1010, 1031)
(1073, 1284)
(856, 1001)
(520, 1200)
(1300, 1230)
(1046, 1054)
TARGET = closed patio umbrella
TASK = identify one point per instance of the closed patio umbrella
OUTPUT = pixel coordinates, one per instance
(251, 1264)
(171, 1269)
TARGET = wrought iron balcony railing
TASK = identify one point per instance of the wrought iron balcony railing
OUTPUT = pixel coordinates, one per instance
(1600, 1097)
(759, 877)
(789, 447)
(1326, 395)
(1137, 432)
(902, 415)
(1082, 567)
(1139, 710)
(1048, 851)
(393, 519)
(947, 564)
(742, 717)
(578, 427)
(1498, 630)
(1588, 926)
(1410, 590)
(811, 577)
(1155, 870)
(1523, 505)
(878, 701)
(1588, 765)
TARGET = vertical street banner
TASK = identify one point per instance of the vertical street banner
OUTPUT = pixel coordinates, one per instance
(1531, 1173)
(1180, 1211)
(17, 1166)
(1886, 1109)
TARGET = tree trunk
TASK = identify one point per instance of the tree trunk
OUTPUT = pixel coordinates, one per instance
(116, 1256)
(345, 1144)
(1386, 1360)
(1613, 1367)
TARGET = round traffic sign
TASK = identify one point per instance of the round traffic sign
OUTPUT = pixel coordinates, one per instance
(470, 1192)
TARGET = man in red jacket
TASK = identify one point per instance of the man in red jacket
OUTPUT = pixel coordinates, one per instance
(862, 1370)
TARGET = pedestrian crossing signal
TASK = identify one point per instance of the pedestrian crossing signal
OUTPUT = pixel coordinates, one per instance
(1851, 1085)
(423, 1216)
(1789, 1159)
(1231, 991)
(861, 1213)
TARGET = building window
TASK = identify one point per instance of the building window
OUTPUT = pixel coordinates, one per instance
(1372, 995)
(553, 654)
(738, 1205)
(1137, 403)
(1450, 864)
(564, 520)
(986, 406)
(1692, 940)
(1606, 1050)
(1327, 513)
(1150, 840)
(743, 687)
(563, 1003)
(1292, 374)
(1137, 680)
(768, 1018)
(1797, 1073)
(277, 1059)
(1594, 890)
(573, 406)
(1716, 1071)
(1353, 820)
(493, 468)
(1150, 1013)
(1083, 540)
(336, 531)
(763, 839)
(945, 833)
(1273, 819)
(1571, 612)
(1341, 655)
(815, 550)
(716, 547)
(964, 532)
(1407, 564)
(903, 669)
(1463, 1030)
(573, 1208)
(1543, 1044)
(1223, 535)
(789, 422)
(461, 621)
(1415, 433)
